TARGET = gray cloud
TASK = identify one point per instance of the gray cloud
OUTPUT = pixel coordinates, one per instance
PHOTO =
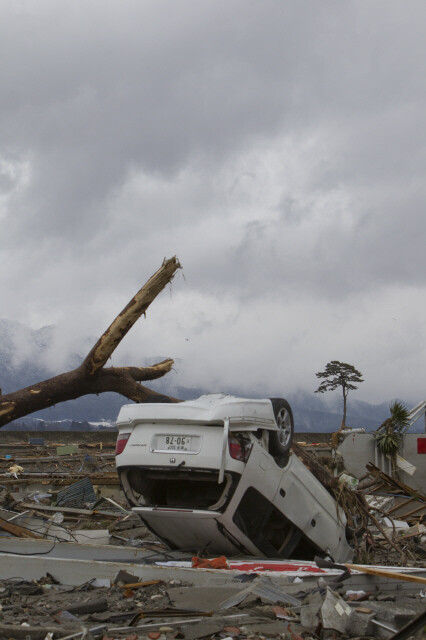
(277, 148)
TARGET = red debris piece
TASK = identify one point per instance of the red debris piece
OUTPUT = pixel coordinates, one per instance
(294, 635)
(359, 597)
(280, 612)
(154, 635)
(214, 563)
(232, 631)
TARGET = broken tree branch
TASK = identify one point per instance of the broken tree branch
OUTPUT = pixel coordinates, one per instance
(91, 377)
(111, 338)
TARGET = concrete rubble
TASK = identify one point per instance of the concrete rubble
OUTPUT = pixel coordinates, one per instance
(76, 563)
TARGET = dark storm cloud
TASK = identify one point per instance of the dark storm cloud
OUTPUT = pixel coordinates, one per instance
(277, 147)
(93, 89)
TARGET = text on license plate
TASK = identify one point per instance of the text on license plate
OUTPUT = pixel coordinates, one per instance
(174, 443)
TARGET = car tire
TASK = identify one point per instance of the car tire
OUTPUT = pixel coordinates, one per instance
(280, 441)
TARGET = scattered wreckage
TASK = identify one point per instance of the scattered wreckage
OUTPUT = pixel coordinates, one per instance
(217, 474)
(75, 562)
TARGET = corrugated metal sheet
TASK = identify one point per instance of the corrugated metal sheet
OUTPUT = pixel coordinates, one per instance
(79, 494)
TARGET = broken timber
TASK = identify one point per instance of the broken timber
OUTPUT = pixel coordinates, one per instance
(17, 530)
(91, 376)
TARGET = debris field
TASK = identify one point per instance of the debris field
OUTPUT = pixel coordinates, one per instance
(75, 562)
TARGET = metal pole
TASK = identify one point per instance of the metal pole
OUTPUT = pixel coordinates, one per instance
(224, 447)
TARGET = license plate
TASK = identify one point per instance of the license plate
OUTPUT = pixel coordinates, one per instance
(173, 442)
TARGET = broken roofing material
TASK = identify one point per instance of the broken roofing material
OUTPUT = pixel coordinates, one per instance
(153, 600)
(204, 474)
(219, 603)
(385, 598)
(79, 494)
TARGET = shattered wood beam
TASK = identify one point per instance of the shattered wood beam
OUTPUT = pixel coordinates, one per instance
(17, 632)
(91, 377)
(17, 530)
(396, 484)
(112, 337)
(384, 573)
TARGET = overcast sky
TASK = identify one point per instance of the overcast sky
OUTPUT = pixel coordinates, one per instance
(276, 147)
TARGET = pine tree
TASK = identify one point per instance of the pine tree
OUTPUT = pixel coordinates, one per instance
(339, 374)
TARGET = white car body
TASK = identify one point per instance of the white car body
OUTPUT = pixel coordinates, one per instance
(179, 468)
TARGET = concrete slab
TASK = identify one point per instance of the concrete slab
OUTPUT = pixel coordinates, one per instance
(77, 551)
(75, 571)
(207, 599)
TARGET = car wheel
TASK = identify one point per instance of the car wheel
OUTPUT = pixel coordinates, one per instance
(280, 441)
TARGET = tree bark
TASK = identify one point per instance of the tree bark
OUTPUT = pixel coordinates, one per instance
(92, 376)
(343, 423)
(345, 394)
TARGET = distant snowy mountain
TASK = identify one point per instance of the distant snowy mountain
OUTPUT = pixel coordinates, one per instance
(24, 360)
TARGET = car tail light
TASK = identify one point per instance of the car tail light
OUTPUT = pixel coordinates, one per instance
(121, 442)
(239, 448)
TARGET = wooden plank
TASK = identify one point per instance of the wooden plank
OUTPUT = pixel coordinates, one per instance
(408, 577)
(72, 510)
(404, 516)
(374, 487)
(17, 530)
(78, 458)
(58, 481)
(400, 505)
(392, 482)
(413, 532)
(136, 585)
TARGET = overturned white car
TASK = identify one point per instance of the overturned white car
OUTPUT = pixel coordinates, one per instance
(217, 475)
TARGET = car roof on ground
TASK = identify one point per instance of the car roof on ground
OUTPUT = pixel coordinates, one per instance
(207, 409)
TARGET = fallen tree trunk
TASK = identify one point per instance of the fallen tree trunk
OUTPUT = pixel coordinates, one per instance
(92, 376)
